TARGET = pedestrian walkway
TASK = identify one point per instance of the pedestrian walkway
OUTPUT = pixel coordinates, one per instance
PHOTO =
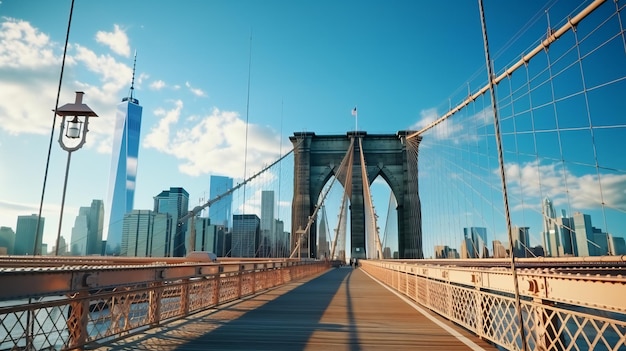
(341, 309)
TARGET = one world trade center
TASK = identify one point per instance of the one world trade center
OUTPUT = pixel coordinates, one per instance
(123, 167)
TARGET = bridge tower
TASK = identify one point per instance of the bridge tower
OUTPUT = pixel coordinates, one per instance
(391, 156)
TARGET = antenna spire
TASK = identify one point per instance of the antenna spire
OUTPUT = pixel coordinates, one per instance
(132, 84)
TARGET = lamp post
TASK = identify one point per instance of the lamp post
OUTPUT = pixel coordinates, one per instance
(74, 138)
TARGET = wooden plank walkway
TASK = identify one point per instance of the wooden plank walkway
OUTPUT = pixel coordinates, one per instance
(341, 309)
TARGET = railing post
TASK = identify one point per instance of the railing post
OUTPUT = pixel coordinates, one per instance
(154, 301)
(217, 281)
(254, 273)
(482, 316)
(184, 297)
(547, 324)
(77, 320)
(240, 280)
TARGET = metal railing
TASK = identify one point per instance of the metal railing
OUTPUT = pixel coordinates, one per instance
(76, 307)
(573, 308)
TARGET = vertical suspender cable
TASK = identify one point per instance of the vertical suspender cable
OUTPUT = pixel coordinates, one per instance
(496, 124)
(56, 106)
(245, 157)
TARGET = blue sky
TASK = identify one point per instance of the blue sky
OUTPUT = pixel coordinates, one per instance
(310, 64)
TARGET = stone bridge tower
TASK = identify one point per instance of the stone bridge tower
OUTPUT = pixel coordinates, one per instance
(391, 156)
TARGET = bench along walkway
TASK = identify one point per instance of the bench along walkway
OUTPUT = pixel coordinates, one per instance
(341, 309)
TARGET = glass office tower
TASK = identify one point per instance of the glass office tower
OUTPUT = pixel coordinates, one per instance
(220, 212)
(123, 169)
(174, 202)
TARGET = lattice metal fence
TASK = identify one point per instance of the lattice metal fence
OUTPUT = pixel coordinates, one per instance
(470, 298)
(86, 313)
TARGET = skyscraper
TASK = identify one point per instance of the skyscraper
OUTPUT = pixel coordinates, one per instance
(25, 234)
(123, 167)
(245, 235)
(221, 211)
(268, 235)
(617, 245)
(87, 231)
(7, 240)
(521, 241)
(551, 237)
(78, 240)
(583, 234)
(175, 202)
(96, 227)
(323, 249)
(206, 235)
(144, 233)
(475, 240)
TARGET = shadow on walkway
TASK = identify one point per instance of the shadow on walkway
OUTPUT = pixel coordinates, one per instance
(285, 323)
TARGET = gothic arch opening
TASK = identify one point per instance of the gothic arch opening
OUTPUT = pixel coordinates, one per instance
(393, 157)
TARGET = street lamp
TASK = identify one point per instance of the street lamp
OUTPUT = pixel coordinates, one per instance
(73, 139)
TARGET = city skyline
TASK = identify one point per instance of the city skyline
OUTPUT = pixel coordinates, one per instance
(266, 75)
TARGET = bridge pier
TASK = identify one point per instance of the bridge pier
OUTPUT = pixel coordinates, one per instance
(392, 157)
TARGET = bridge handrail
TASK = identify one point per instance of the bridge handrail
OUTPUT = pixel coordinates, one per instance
(560, 308)
(69, 307)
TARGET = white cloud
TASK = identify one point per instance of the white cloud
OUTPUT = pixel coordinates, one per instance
(157, 85)
(158, 137)
(195, 91)
(444, 130)
(213, 144)
(117, 40)
(23, 46)
(29, 68)
(457, 128)
(566, 189)
(30, 65)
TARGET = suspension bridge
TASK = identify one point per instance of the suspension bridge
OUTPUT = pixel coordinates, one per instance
(504, 228)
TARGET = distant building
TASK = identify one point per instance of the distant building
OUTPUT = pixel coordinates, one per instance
(86, 236)
(268, 233)
(7, 239)
(565, 232)
(499, 250)
(536, 251)
(220, 212)
(78, 240)
(600, 245)
(445, 252)
(387, 252)
(323, 249)
(617, 245)
(63, 248)
(224, 240)
(551, 231)
(144, 234)
(206, 235)
(521, 241)
(283, 239)
(583, 233)
(25, 235)
(474, 243)
(246, 235)
(175, 202)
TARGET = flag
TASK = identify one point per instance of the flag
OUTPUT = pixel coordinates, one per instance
(354, 112)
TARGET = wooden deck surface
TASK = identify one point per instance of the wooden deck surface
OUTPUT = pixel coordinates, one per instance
(342, 309)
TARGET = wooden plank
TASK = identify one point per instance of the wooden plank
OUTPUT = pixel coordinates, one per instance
(342, 309)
